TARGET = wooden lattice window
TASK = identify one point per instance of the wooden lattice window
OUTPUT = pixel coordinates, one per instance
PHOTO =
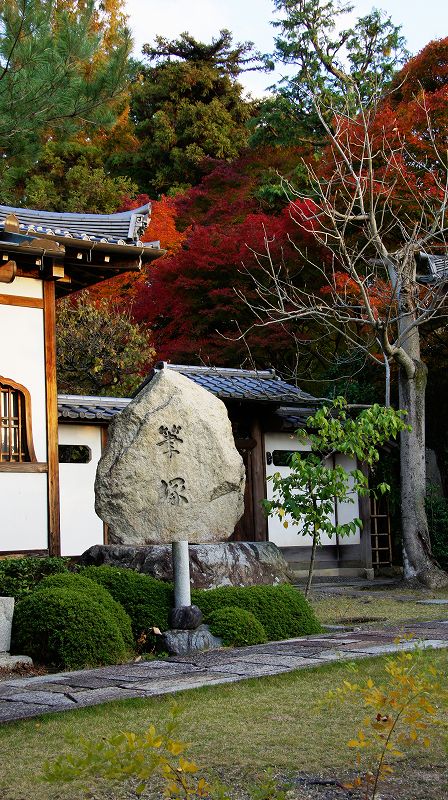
(16, 438)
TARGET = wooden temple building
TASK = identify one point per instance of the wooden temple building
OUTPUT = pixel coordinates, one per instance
(44, 256)
(50, 445)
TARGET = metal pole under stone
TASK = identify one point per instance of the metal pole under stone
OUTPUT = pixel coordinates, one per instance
(181, 574)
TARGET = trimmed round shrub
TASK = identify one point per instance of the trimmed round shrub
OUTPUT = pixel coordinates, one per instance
(20, 576)
(282, 610)
(236, 627)
(147, 600)
(97, 593)
(66, 629)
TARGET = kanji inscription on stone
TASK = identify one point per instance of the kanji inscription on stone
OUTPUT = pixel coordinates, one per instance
(172, 491)
(170, 440)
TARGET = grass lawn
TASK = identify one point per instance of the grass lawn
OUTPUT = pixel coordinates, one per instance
(236, 731)
(393, 606)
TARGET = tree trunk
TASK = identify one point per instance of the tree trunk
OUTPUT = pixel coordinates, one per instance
(418, 563)
(312, 560)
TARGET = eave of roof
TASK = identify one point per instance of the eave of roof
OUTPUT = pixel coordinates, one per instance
(78, 262)
(72, 407)
(261, 386)
(230, 385)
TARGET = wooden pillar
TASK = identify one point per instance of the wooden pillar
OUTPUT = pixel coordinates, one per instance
(54, 534)
(259, 483)
(365, 536)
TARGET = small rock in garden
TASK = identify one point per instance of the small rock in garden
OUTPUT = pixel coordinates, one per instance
(186, 618)
(180, 643)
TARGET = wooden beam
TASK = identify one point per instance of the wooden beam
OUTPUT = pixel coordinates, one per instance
(54, 532)
(8, 271)
(17, 300)
(19, 553)
(23, 466)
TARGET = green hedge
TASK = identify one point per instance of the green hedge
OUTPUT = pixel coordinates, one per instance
(147, 600)
(20, 576)
(97, 593)
(282, 610)
(236, 627)
(66, 629)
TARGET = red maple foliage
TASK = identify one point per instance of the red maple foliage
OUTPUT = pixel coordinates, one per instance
(408, 135)
(379, 292)
(125, 288)
(193, 302)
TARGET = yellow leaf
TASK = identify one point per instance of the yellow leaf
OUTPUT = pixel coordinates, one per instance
(175, 748)
(187, 766)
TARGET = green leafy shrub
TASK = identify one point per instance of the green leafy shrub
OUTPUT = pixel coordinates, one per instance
(142, 756)
(66, 629)
(20, 576)
(437, 511)
(147, 600)
(97, 593)
(236, 627)
(282, 610)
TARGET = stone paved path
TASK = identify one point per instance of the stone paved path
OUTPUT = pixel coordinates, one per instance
(30, 697)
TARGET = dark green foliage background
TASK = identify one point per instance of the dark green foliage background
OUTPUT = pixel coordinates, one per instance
(437, 511)
(20, 576)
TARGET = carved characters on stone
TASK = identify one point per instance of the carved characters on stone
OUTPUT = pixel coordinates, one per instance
(171, 491)
(170, 440)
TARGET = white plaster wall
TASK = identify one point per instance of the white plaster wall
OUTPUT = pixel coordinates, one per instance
(348, 511)
(80, 526)
(22, 357)
(24, 287)
(292, 536)
(24, 511)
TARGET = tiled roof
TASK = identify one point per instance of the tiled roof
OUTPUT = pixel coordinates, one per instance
(228, 384)
(74, 406)
(122, 228)
(436, 267)
(242, 384)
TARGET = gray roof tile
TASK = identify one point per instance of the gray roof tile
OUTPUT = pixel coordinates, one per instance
(228, 384)
(122, 228)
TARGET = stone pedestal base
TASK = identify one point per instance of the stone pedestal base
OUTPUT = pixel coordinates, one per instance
(181, 642)
(6, 614)
(7, 661)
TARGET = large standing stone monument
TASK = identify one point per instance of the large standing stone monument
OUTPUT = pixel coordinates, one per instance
(170, 473)
(170, 470)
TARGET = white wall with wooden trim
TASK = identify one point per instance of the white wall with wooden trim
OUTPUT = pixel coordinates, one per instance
(292, 536)
(24, 512)
(23, 494)
(80, 526)
(22, 358)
